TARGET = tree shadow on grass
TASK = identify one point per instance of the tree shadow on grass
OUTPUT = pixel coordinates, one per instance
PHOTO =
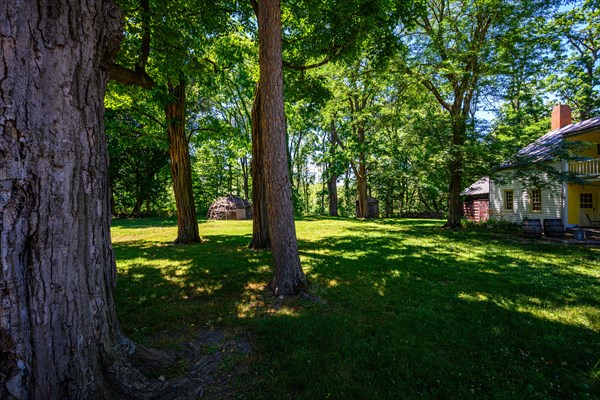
(412, 312)
(429, 328)
(462, 349)
(185, 286)
(483, 263)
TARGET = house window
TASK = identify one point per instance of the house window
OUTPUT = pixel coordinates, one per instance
(586, 200)
(536, 200)
(509, 200)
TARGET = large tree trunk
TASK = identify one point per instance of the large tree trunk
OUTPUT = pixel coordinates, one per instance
(181, 170)
(260, 227)
(361, 181)
(58, 330)
(361, 176)
(455, 167)
(288, 278)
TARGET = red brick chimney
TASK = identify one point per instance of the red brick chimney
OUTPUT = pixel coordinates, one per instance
(561, 116)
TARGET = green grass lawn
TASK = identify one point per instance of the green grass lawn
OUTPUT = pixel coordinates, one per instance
(411, 311)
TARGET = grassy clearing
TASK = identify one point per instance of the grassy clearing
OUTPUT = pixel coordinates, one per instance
(412, 311)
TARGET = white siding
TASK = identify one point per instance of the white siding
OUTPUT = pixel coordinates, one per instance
(552, 202)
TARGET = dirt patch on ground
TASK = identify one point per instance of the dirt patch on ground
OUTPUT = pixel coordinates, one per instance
(202, 368)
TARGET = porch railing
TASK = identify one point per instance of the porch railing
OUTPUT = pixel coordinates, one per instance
(586, 168)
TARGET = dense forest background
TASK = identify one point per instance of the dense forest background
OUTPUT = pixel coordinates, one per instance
(402, 100)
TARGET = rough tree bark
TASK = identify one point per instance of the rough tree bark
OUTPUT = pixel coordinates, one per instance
(58, 329)
(181, 170)
(361, 181)
(288, 276)
(260, 226)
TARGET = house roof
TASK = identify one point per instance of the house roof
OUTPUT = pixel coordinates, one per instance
(582, 126)
(480, 187)
(542, 148)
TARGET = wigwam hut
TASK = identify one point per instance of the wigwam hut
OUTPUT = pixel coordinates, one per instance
(230, 207)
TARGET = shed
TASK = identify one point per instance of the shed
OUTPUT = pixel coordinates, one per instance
(372, 208)
(230, 207)
(476, 206)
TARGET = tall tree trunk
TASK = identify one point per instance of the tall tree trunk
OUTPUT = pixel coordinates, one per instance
(333, 196)
(455, 167)
(306, 196)
(361, 181)
(181, 170)
(362, 211)
(361, 176)
(389, 201)
(332, 182)
(244, 164)
(348, 202)
(260, 227)
(58, 328)
(139, 200)
(322, 196)
(288, 276)
(229, 179)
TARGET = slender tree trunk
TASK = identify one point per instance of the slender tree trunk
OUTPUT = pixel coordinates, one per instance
(244, 164)
(288, 276)
(389, 201)
(333, 196)
(455, 167)
(229, 179)
(306, 196)
(181, 170)
(58, 329)
(348, 203)
(332, 182)
(361, 181)
(361, 178)
(139, 200)
(260, 227)
(357, 106)
(362, 210)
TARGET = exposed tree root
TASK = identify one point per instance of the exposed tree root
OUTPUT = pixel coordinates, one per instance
(185, 374)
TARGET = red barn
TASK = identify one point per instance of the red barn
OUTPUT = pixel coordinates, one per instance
(476, 206)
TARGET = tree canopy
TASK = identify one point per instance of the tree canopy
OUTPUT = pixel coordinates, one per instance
(493, 68)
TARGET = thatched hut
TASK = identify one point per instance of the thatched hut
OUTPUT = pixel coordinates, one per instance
(230, 207)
